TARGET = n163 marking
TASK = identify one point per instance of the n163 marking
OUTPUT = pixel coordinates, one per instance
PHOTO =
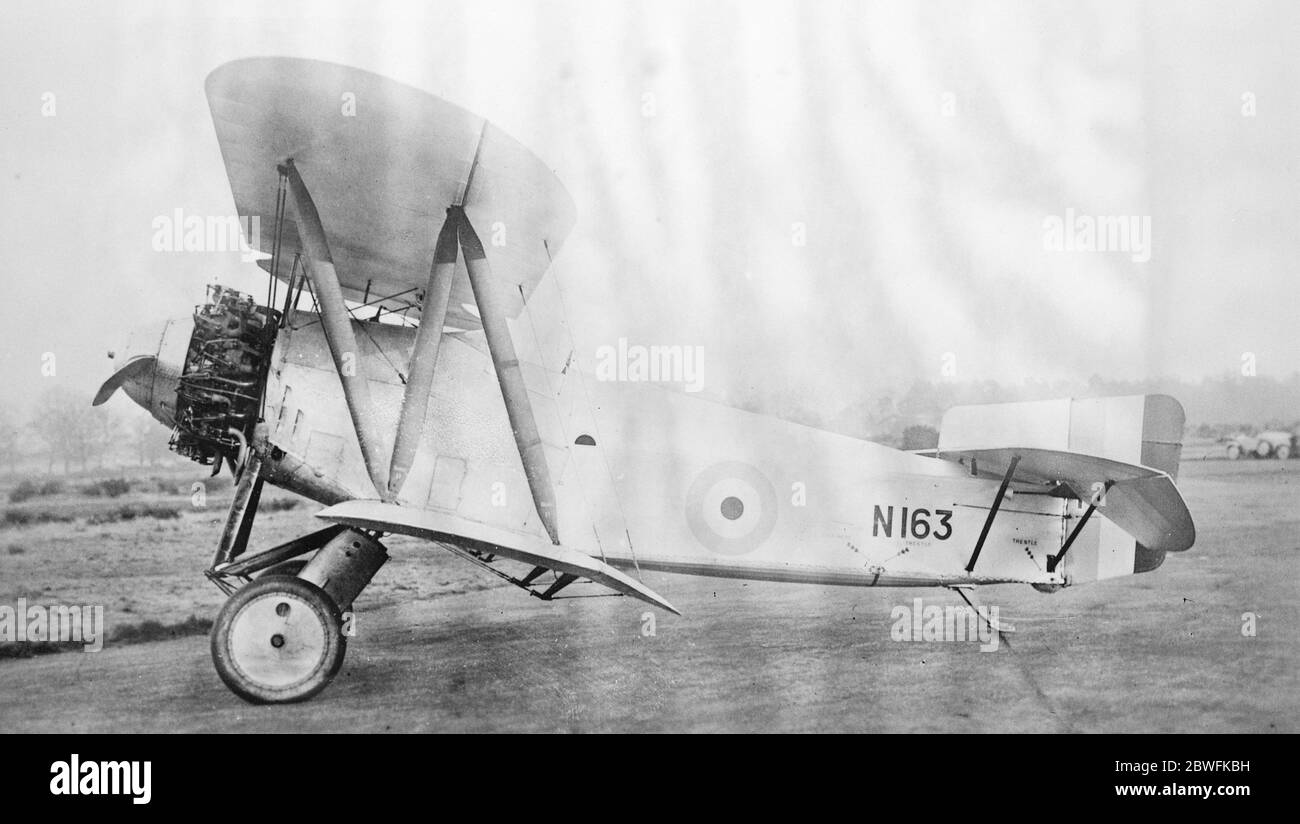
(919, 525)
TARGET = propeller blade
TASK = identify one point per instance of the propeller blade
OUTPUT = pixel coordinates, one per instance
(136, 368)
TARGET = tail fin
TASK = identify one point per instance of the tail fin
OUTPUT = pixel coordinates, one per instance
(1146, 430)
(1128, 447)
(1163, 421)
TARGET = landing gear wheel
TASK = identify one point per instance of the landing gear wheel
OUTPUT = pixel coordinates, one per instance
(277, 640)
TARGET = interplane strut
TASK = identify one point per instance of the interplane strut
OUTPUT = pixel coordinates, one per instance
(337, 324)
(456, 235)
(513, 390)
(424, 355)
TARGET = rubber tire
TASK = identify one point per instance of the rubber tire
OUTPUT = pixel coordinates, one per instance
(1234, 452)
(1263, 449)
(321, 607)
(1282, 452)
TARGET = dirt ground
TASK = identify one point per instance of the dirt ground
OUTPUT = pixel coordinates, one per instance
(442, 646)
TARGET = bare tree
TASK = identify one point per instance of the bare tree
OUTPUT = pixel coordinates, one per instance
(106, 431)
(148, 439)
(64, 422)
(8, 438)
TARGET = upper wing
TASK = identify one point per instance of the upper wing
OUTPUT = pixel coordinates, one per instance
(383, 162)
(451, 529)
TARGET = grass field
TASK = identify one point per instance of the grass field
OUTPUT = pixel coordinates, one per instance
(141, 554)
(147, 567)
(1160, 652)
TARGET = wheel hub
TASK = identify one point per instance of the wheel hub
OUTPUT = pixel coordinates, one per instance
(277, 639)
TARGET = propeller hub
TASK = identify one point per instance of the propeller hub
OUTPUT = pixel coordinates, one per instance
(149, 368)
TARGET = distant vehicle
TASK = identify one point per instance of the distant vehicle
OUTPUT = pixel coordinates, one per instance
(1273, 444)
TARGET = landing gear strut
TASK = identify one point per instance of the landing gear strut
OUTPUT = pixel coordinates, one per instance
(281, 638)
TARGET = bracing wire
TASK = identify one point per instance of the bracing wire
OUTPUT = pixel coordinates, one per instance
(352, 314)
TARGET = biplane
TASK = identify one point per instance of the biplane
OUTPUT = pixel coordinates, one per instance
(412, 396)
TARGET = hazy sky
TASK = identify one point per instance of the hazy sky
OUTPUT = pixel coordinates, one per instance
(921, 147)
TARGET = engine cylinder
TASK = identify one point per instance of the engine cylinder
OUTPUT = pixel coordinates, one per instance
(219, 397)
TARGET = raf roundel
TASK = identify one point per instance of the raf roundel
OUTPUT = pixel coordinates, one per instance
(731, 508)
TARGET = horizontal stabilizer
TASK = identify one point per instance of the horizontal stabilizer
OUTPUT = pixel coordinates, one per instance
(1142, 501)
(538, 551)
(1127, 447)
